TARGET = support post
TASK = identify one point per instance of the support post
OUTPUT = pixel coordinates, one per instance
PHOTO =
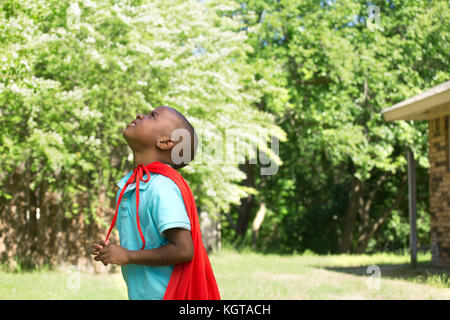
(412, 197)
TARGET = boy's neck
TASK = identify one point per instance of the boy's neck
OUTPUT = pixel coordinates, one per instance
(146, 158)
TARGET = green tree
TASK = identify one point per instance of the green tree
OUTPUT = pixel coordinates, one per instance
(74, 73)
(344, 165)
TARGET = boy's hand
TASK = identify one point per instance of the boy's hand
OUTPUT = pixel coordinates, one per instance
(111, 253)
(97, 247)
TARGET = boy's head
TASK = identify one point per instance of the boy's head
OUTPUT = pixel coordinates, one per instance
(165, 133)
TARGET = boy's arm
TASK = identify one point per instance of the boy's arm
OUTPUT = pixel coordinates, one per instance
(179, 249)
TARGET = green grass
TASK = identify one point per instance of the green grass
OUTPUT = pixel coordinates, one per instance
(327, 277)
(61, 285)
(248, 275)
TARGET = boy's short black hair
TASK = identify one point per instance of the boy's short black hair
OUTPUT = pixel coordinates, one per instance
(193, 141)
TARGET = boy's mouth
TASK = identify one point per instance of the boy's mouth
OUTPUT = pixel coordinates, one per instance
(133, 123)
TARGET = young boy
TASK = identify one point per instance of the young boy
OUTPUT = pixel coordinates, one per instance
(161, 253)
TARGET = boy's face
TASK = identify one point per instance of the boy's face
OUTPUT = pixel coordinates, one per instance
(150, 130)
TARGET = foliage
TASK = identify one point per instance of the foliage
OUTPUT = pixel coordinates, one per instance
(311, 73)
(340, 75)
(74, 73)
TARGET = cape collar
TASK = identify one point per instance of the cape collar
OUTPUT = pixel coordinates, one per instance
(132, 186)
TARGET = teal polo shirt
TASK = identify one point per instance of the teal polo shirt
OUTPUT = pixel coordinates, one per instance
(161, 207)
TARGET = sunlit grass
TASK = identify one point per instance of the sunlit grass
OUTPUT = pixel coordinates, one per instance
(61, 285)
(256, 276)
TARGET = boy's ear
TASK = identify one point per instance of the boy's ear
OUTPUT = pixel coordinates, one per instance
(165, 143)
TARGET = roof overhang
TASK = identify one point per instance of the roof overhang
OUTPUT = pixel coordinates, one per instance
(430, 104)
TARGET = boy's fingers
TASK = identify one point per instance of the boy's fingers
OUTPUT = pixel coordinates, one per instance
(97, 246)
(103, 251)
(104, 243)
(102, 255)
(102, 261)
(99, 257)
(100, 251)
(104, 258)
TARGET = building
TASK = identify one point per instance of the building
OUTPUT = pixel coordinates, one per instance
(433, 106)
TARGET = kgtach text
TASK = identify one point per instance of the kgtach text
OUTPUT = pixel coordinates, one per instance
(230, 309)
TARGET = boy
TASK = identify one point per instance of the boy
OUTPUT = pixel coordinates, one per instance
(161, 253)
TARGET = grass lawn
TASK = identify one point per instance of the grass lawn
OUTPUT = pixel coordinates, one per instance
(248, 275)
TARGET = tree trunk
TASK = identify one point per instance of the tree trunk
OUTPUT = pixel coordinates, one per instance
(246, 203)
(350, 217)
(257, 222)
(365, 206)
(368, 233)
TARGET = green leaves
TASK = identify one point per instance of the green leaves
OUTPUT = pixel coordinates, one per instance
(337, 76)
(311, 73)
(72, 74)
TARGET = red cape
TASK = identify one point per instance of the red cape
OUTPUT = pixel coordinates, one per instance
(193, 280)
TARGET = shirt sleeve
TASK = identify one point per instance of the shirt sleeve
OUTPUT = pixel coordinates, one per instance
(168, 208)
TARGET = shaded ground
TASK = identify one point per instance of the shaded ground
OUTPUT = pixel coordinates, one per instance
(422, 273)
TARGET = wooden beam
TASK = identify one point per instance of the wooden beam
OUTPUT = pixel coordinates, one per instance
(412, 196)
(420, 107)
(435, 112)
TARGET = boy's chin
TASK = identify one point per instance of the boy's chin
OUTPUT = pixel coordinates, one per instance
(126, 135)
(131, 141)
(127, 131)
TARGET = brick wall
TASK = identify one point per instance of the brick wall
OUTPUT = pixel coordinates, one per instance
(439, 190)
